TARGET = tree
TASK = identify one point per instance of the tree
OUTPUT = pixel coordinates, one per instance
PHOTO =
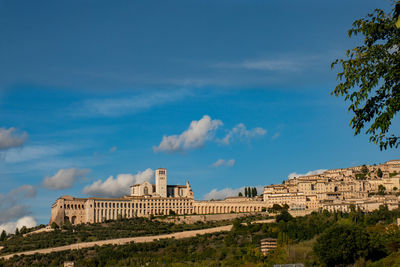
(172, 212)
(23, 230)
(249, 191)
(240, 194)
(381, 189)
(379, 173)
(342, 244)
(255, 192)
(284, 216)
(364, 169)
(3, 235)
(370, 77)
(16, 231)
(54, 225)
(275, 208)
(245, 192)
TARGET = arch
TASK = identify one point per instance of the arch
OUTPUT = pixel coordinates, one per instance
(73, 219)
(336, 189)
(66, 219)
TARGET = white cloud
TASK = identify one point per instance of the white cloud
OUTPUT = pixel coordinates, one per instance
(64, 178)
(270, 65)
(276, 135)
(113, 149)
(9, 138)
(222, 162)
(10, 227)
(240, 132)
(229, 192)
(25, 190)
(128, 105)
(27, 153)
(262, 64)
(195, 136)
(10, 208)
(315, 172)
(119, 186)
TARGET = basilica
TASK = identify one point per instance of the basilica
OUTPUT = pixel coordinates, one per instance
(365, 187)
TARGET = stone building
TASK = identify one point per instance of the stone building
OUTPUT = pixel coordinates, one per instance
(147, 199)
(160, 188)
(334, 190)
(340, 189)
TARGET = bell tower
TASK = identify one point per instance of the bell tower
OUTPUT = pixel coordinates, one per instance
(161, 182)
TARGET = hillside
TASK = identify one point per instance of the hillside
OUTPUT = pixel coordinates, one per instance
(370, 239)
(121, 228)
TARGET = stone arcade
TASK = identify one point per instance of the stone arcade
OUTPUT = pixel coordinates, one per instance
(338, 189)
(145, 199)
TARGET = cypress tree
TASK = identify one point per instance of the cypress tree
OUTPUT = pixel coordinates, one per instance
(245, 192)
(3, 235)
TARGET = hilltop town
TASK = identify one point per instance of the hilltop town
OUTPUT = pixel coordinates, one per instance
(363, 187)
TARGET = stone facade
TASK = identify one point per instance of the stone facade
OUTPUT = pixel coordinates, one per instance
(333, 190)
(340, 189)
(147, 199)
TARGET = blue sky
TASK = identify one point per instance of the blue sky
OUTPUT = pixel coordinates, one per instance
(239, 90)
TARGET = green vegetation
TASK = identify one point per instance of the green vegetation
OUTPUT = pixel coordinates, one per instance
(121, 228)
(3, 236)
(342, 244)
(318, 239)
(360, 176)
(250, 192)
(381, 190)
(364, 169)
(392, 174)
(379, 173)
(278, 208)
(369, 77)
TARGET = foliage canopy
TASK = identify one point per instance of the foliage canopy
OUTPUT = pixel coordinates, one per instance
(370, 78)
